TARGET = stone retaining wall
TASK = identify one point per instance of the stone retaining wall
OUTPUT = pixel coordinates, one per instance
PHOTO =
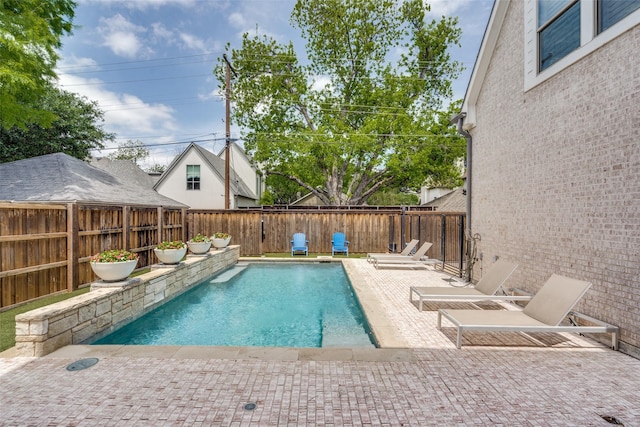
(109, 305)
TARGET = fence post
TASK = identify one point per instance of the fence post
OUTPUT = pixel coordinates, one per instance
(461, 243)
(72, 246)
(443, 239)
(403, 227)
(126, 227)
(183, 213)
(160, 231)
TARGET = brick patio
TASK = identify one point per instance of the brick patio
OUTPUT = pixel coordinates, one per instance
(496, 379)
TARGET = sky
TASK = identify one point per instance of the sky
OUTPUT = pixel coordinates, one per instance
(148, 63)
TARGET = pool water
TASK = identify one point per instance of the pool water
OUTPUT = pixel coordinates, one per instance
(280, 305)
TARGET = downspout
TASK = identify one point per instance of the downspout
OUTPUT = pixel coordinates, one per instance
(459, 120)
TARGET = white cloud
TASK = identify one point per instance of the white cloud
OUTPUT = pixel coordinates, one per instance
(121, 36)
(144, 4)
(193, 42)
(237, 20)
(161, 32)
(124, 113)
(446, 7)
(321, 82)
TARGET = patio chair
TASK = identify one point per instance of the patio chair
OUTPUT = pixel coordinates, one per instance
(414, 260)
(339, 244)
(299, 243)
(543, 313)
(484, 290)
(405, 252)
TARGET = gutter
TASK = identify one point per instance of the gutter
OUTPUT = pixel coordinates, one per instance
(459, 120)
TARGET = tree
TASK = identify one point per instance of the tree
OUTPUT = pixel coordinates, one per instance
(76, 130)
(30, 33)
(375, 124)
(130, 150)
(156, 168)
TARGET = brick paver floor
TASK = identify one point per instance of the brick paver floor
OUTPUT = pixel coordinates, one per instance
(495, 379)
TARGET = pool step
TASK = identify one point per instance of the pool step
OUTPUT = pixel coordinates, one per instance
(229, 274)
(336, 336)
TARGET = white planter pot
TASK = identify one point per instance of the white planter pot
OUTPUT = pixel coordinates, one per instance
(113, 271)
(199, 247)
(170, 256)
(221, 243)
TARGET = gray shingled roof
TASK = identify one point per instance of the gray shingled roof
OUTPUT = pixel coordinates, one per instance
(236, 184)
(124, 168)
(61, 178)
(454, 201)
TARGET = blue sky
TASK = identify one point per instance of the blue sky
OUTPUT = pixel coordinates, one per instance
(148, 63)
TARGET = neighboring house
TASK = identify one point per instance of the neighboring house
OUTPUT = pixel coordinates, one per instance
(62, 178)
(453, 201)
(552, 121)
(245, 168)
(197, 178)
(428, 194)
(308, 199)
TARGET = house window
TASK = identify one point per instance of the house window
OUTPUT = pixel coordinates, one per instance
(558, 30)
(193, 177)
(558, 33)
(612, 11)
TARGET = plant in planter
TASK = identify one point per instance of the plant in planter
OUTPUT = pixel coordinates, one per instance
(221, 240)
(199, 244)
(113, 265)
(171, 252)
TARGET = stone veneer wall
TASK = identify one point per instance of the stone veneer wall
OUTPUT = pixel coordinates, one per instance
(556, 174)
(108, 305)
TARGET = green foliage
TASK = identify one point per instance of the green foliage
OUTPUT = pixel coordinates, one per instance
(370, 120)
(393, 198)
(76, 129)
(171, 244)
(158, 168)
(30, 33)
(130, 150)
(114, 255)
(281, 191)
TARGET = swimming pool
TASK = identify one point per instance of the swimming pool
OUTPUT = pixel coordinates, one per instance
(260, 304)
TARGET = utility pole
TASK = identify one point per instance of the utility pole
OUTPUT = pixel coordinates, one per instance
(227, 122)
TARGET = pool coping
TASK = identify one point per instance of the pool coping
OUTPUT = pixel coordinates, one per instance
(391, 346)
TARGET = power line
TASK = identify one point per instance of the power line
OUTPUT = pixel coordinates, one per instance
(138, 61)
(137, 81)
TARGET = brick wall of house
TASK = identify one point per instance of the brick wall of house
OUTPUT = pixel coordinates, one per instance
(556, 174)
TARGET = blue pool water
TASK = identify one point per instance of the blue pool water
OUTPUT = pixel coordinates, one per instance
(282, 305)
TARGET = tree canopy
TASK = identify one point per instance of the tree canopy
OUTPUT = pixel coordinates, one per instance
(76, 129)
(30, 33)
(363, 112)
(130, 150)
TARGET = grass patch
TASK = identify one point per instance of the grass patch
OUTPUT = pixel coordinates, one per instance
(8, 317)
(311, 255)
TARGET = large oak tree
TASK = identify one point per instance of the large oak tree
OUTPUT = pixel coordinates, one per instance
(362, 112)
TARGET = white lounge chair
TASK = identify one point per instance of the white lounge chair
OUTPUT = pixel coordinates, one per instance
(543, 313)
(405, 252)
(414, 260)
(484, 290)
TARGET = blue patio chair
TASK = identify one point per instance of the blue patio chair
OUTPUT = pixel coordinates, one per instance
(339, 244)
(299, 244)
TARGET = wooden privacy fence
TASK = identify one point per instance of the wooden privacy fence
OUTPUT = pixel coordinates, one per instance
(45, 247)
(373, 230)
